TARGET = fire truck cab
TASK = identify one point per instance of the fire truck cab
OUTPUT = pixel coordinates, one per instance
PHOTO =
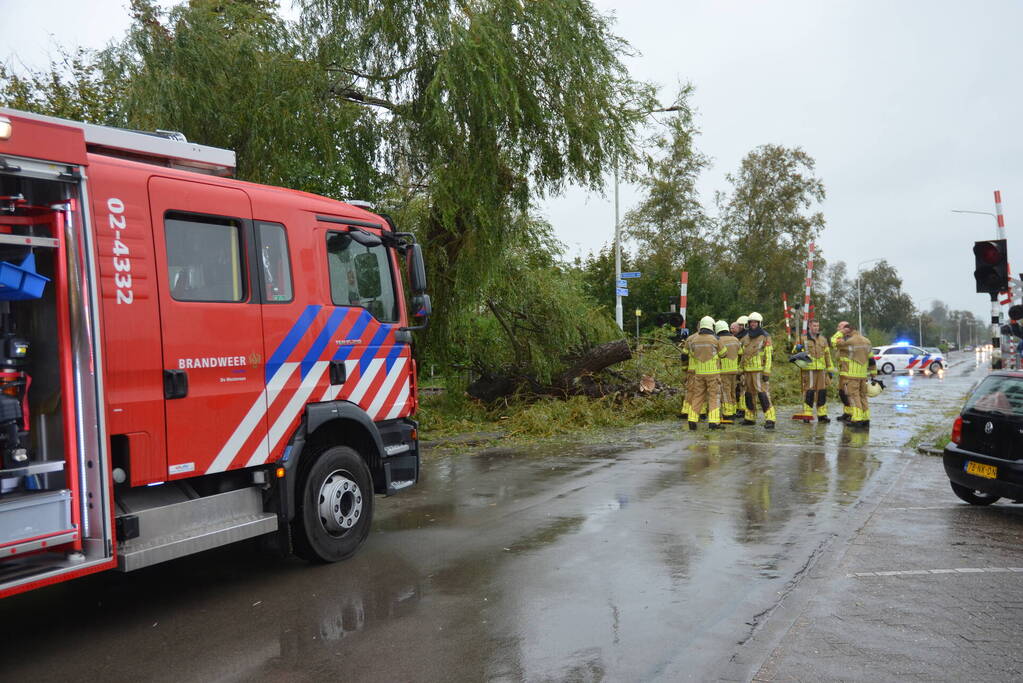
(189, 360)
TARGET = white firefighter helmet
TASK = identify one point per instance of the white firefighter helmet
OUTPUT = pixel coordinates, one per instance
(874, 388)
(720, 326)
(706, 323)
(742, 320)
(754, 316)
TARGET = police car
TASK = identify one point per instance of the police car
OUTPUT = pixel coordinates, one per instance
(905, 358)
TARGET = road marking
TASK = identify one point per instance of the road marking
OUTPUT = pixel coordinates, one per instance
(940, 507)
(957, 570)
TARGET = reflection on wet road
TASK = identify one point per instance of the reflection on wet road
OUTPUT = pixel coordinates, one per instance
(656, 554)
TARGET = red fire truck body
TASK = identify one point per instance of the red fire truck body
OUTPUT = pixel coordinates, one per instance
(188, 360)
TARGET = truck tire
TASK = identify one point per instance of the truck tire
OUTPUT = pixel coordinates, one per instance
(335, 509)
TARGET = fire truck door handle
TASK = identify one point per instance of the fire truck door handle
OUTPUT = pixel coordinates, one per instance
(338, 373)
(175, 384)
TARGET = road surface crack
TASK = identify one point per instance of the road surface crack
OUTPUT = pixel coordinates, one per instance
(760, 617)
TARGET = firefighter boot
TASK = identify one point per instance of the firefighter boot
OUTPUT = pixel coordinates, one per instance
(750, 410)
(765, 403)
(822, 407)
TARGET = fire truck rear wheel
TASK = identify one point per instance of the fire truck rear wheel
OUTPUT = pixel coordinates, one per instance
(335, 509)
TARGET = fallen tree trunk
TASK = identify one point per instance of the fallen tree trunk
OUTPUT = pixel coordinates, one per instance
(594, 360)
(576, 379)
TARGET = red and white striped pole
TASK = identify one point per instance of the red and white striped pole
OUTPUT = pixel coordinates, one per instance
(787, 315)
(683, 294)
(1004, 298)
(806, 297)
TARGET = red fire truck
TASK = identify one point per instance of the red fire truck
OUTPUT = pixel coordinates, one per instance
(188, 360)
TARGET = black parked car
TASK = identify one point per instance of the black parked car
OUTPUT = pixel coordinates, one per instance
(984, 460)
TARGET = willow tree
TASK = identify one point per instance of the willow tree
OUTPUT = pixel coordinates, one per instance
(235, 74)
(481, 107)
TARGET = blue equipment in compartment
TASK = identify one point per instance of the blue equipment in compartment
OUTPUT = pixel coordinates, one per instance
(20, 283)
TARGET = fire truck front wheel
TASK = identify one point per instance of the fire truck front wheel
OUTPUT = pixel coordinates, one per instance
(335, 508)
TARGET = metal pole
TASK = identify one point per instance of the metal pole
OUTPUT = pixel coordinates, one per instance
(806, 296)
(996, 305)
(859, 303)
(618, 259)
(920, 337)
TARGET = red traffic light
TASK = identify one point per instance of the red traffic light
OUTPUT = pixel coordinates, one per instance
(987, 252)
(991, 266)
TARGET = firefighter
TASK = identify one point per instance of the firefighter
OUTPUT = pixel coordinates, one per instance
(729, 369)
(704, 351)
(843, 376)
(859, 365)
(805, 381)
(680, 338)
(815, 381)
(756, 366)
(740, 334)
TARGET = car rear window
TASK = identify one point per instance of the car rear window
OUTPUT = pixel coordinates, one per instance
(998, 395)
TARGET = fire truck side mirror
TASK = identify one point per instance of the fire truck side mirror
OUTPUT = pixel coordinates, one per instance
(416, 270)
(421, 307)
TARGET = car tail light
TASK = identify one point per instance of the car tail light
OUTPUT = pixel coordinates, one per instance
(877, 357)
(957, 430)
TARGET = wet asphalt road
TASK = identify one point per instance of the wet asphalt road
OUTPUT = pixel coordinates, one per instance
(653, 555)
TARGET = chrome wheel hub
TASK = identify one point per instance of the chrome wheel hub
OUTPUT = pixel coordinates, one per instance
(340, 503)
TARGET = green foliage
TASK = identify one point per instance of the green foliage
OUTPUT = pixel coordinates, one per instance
(768, 221)
(533, 314)
(77, 86)
(233, 74)
(885, 305)
(479, 108)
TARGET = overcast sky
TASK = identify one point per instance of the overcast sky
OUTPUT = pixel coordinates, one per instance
(911, 109)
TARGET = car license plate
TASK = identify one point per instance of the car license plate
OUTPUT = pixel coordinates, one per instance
(980, 470)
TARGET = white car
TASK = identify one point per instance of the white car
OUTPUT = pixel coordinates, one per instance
(905, 358)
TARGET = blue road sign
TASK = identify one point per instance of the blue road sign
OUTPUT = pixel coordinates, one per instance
(621, 291)
(621, 283)
(630, 274)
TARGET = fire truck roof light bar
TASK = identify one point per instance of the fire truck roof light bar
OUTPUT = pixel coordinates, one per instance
(167, 145)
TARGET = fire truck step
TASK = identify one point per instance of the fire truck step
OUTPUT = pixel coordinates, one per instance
(179, 529)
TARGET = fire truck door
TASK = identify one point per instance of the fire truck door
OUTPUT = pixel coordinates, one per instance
(212, 328)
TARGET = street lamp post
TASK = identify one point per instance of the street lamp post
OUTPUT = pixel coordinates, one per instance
(618, 258)
(859, 299)
(619, 316)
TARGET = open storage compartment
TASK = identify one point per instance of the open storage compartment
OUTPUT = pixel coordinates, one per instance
(38, 482)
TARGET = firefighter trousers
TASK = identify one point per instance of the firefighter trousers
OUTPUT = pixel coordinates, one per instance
(856, 390)
(815, 392)
(757, 393)
(706, 392)
(687, 402)
(729, 390)
(843, 395)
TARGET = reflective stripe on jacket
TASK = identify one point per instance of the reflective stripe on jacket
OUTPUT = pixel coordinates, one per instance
(733, 350)
(820, 353)
(756, 353)
(841, 353)
(858, 361)
(704, 351)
